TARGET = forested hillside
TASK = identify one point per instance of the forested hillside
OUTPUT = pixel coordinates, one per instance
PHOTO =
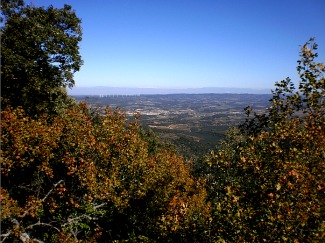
(69, 174)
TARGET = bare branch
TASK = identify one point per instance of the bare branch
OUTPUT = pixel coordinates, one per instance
(71, 221)
(42, 224)
(44, 198)
(39, 241)
(99, 206)
(3, 237)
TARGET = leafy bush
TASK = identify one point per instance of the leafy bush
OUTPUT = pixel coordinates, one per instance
(266, 181)
(72, 179)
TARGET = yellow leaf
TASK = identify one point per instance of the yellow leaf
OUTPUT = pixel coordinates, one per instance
(278, 186)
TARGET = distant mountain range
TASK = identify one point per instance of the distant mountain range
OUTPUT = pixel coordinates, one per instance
(104, 90)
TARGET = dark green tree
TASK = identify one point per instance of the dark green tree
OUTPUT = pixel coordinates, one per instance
(39, 55)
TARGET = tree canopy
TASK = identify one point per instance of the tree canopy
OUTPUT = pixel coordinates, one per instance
(39, 55)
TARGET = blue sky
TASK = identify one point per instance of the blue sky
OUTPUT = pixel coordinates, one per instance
(194, 43)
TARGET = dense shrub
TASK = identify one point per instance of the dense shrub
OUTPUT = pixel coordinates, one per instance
(266, 181)
(72, 179)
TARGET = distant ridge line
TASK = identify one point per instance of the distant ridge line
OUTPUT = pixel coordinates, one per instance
(105, 90)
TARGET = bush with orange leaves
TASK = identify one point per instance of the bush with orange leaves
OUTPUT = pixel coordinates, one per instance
(75, 179)
(267, 180)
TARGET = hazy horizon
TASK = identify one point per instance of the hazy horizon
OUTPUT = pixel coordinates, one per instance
(191, 43)
(107, 90)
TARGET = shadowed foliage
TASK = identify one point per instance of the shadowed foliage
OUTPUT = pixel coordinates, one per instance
(266, 181)
(72, 179)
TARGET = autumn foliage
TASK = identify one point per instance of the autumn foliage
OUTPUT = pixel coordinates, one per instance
(269, 176)
(74, 179)
(82, 176)
(69, 174)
